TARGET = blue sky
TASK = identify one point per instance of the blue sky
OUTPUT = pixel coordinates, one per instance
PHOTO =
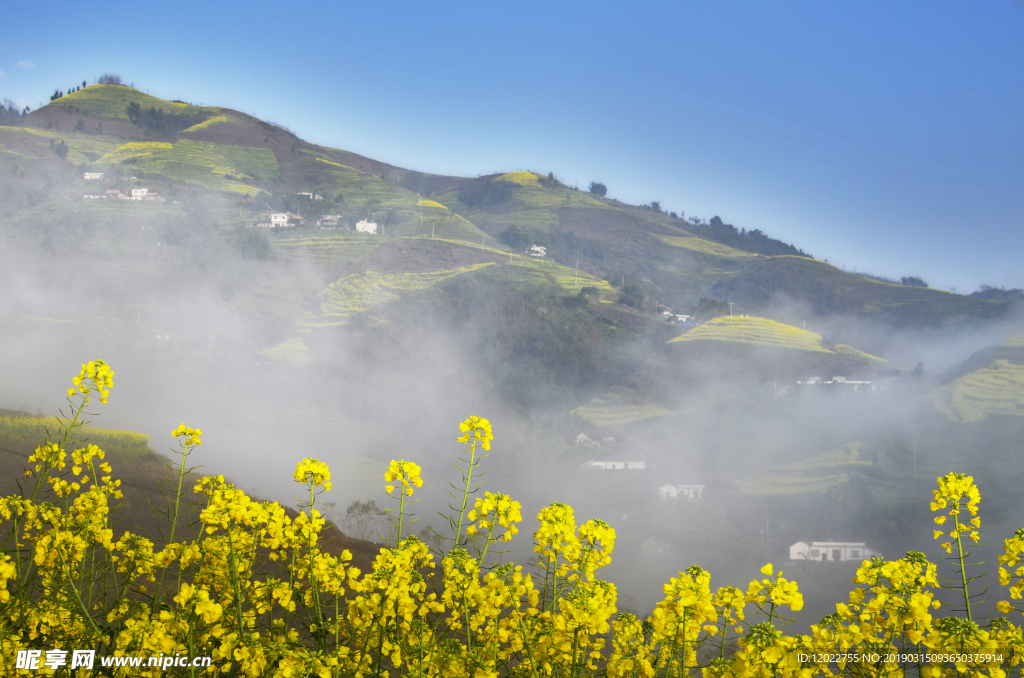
(885, 137)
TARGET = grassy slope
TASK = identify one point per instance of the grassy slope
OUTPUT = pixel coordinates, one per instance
(141, 471)
(237, 157)
(830, 290)
(994, 388)
(111, 102)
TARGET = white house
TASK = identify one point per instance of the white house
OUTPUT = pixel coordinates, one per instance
(538, 251)
(312, 196)
(364, 226)
(677, 491)
(832, 551)
(282, 219)
(613, 465)
(89, 176)
(139, 193)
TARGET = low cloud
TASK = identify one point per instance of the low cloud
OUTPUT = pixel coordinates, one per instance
(25, 63)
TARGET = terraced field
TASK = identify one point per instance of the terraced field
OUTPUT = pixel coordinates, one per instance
(327, 247)
(294, 352)
(216, 166)
(778, 485)
(617, 407)
(359, 293)
(695, 244)
(817, 474)
(997, 390)
(759, 332)
(849, 456)
(29, 142)
(206, 124)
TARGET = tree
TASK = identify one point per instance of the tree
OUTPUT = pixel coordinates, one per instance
(515, 237)
(109, 79)
(598, 189)
(913, 281)
(632, 295)
(61, 149)
(83, 84)
(363, 519)
(80, 126)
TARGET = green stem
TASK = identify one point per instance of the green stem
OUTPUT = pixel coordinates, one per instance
(963, 571)
(465, 491)
(174, 520)
(234, 579)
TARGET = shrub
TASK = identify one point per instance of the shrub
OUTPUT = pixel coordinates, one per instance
(254, 590)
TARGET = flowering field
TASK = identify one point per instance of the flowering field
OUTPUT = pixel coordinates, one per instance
(695, 244)
(254, 589)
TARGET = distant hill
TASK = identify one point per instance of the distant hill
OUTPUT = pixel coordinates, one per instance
(216, 171)
(828, 290)
(141, 472)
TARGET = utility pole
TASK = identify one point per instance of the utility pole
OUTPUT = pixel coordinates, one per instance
(730, 309)
(915, 460)
(577, 278)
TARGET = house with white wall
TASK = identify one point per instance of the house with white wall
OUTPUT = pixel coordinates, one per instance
(681, 491)
(93, 176)
(283, 219)
(364, 226)
(832, 551)
(613, 465)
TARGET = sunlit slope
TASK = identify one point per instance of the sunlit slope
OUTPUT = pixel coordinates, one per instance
(232, 169)
(364, 298)
(994, 388)
(214, 148)
(529, 201)
(18, 429)
(828, 289)
(765, 333)
(758, 332)
(111, 102)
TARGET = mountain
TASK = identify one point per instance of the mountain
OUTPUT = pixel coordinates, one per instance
(213, 172)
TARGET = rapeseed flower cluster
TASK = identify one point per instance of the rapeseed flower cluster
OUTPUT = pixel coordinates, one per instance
(254, 587)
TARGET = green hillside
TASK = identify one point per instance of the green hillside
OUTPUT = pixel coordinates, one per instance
(991, 383)
(219, 170)
(111, 102)
(830, 290)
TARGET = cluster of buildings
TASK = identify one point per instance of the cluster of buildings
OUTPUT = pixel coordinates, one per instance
(328, 222)
(838, 383)
(137, 194)
(593, 465)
